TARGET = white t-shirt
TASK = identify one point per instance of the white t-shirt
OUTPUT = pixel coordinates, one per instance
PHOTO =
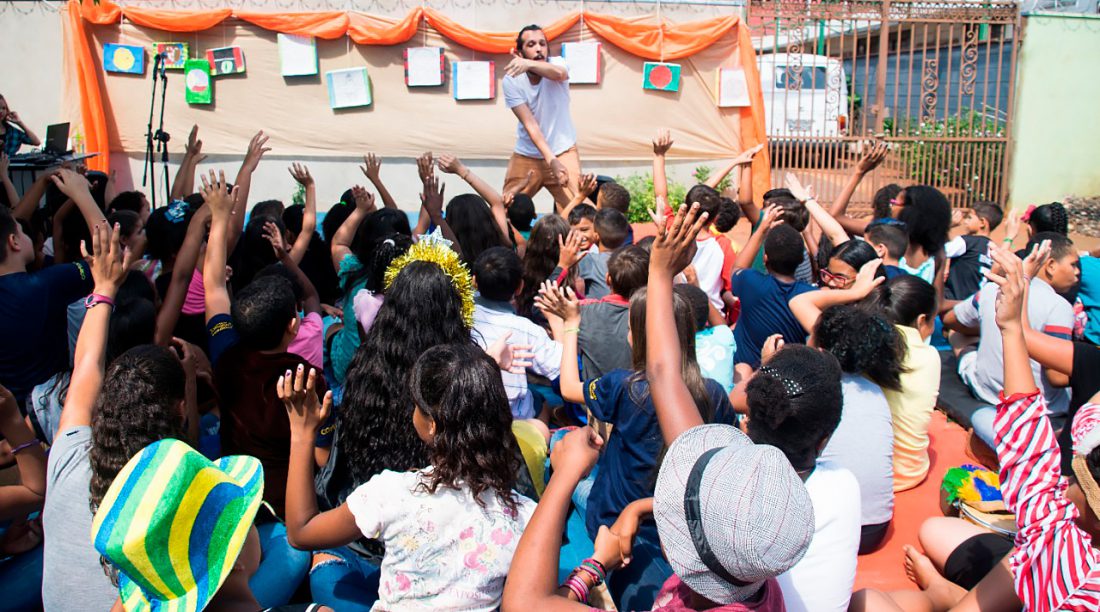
(549, 103)
(823, 579)
(708, 262)
(443, 551)
(863, 444)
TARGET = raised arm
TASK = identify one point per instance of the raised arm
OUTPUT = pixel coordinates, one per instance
(745, 196)
(309, 215)
(661, 144)
(222, 211)
(256, 149)
(343, 238)
(807, 307)
(372, 166)
(5, 178)
(33, 195)
(432, 201)
(671, 253)
(768, 220)
(452, 165)
(745, 158)
(76, 187)
(32, 138)
(585, 186)
(547, 70)
(563, 304)
(870, 159)
(110, 264)
(425, 167)
(18, 500)
(184, 183)
(311, 301)
(829, 226)
(182, 272)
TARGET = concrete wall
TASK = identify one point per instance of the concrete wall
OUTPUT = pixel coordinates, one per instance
(30, 77)
(1055, 128)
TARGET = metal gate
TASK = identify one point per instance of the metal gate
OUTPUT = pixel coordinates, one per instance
(934, 79)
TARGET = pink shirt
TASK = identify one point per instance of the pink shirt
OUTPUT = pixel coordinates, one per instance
(309, 344)
(195, 300)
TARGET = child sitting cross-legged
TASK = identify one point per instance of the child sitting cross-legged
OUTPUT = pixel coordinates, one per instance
(450, 528)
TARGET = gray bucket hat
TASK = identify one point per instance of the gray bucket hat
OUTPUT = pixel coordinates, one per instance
(731, 514)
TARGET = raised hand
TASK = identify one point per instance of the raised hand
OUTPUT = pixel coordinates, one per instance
(298, 390)
(194, 361)
(663, 142)
(561, 303)
(798, 190)
(256, 150)
(194, 146)
(71, 183)
(1012, 226)
(576, 453)
(771, 217)
(746, 156)
(14, 117)
(518, 65)
(659, 216)
(587, 185)
(110, 262)
(301, 174)
(216, 195)
(873, 155)
(772, 345)
(432, 198)
(425, 166)
(1012, 282)
(364, 200)
(675, 246)
(569, 250)
(866, 280)
(275, 237)
(450, 164)
(1034, 261)
(372, 165)
(513, 358)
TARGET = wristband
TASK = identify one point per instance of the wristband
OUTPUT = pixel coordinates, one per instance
(23, 446)
(94, 299)
(592, 564)
(572, 330)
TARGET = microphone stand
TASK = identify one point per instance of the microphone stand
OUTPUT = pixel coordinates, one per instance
(149, 159)
(161, 136)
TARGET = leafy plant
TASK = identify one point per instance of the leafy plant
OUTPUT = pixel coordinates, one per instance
(640, 187)
(942, 154)
(299, 197)
(702, 173)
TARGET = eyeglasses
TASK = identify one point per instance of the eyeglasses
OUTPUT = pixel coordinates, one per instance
(829, 278)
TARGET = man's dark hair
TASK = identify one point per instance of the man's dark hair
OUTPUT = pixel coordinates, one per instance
(729, 213)
(498, 272)
(7, 228)
(521, 214)
(710, 201)
(615, 196)
(612, 227)
(519, 37)
(1060, 244)
(793, 212)
(262, 310)
(893, 237)
(268, 208)
(629, 270)
(127, 200)
(989, 211)
(582, 211)
(783, 250)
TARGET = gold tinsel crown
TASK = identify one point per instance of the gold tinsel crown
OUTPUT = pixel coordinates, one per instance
(435, 249)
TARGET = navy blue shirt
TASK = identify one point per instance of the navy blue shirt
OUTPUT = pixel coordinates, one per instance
(892, 271)
(764, 311)
(34, 323)
(627, 466)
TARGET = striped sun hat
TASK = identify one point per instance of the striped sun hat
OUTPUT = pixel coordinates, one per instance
(173, 523)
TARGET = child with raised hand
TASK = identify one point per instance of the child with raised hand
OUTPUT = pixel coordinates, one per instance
(1054, 564)
(21, 572)
(622, 399)
(450, 529)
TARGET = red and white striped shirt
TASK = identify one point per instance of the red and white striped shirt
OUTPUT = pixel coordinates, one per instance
(1055, 566)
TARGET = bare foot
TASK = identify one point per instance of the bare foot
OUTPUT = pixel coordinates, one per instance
(942, 592)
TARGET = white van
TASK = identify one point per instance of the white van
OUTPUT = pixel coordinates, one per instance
(818, 107)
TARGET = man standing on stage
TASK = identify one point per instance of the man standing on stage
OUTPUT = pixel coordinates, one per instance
(536, 88)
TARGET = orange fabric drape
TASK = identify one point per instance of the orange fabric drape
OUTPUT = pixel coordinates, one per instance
(491, 42)
(326, 25)
(641, 36)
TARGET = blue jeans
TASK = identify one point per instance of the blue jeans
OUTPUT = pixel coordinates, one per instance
(282, 567)
(347, 583)
(21, 581)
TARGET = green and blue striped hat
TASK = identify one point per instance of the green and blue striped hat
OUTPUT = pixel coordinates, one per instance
(173, 523)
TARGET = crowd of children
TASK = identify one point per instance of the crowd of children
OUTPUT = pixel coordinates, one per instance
(228, 405)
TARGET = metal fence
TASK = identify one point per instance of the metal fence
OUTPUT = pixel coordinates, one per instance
(934, 79)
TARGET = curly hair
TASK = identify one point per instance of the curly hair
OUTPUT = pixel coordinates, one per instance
(863, 343)
(1049, 218)
(540, 259)
(795, 403)
(927, 216)
(138, 405)
(472, 221)
(459, 387)
(421, 310)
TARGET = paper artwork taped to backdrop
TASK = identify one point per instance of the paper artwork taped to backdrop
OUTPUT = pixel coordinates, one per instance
(733, 89)
(175, 54)
(473, 80)
(200, 88)
(424, 66)
(225, 60)
(297, 55)
(584, 62)
(348, 88)
(125, 59)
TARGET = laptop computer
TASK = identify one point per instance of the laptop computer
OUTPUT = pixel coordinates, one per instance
(57, 139)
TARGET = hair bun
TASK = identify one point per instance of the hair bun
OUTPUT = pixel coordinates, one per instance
(768, 388)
